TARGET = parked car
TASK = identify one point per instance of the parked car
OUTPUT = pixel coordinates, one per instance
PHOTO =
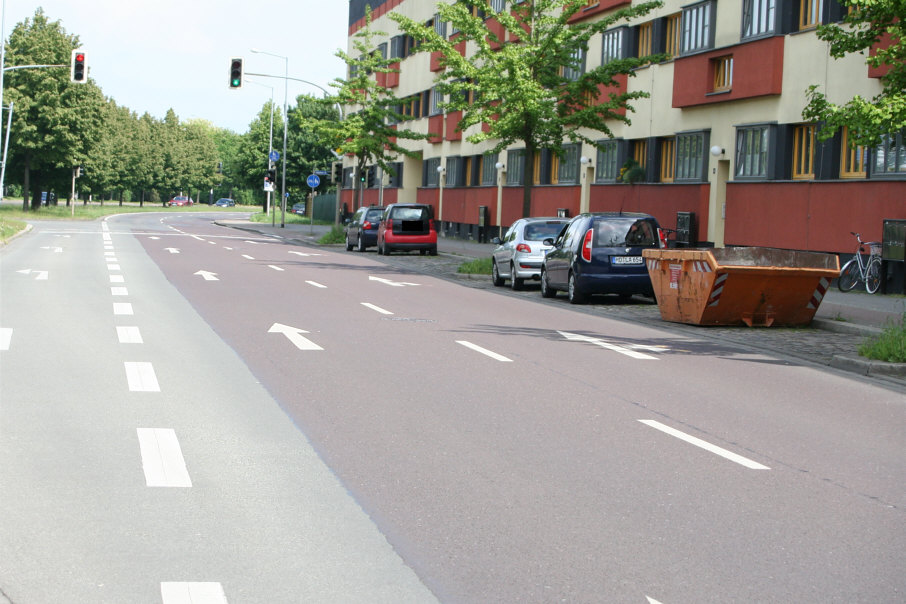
(362, 229)
(225, 202)
(180, 200)
(600, 253)
(407, 226)
(298, 208)
(518, 256)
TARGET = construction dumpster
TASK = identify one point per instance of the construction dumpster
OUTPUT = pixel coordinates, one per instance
(739, 286)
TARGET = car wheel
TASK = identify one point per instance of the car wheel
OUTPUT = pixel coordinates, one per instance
(546, 290)
(422, 252)
(348, 245)
(360, 244)
(575, 296)
(432, 251)
(496, 279)
(515, 282)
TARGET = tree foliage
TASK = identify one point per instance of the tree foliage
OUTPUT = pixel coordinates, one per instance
(517, 84)
(876, 27)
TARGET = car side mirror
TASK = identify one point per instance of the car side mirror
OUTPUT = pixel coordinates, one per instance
(496, 240)
(548, 241)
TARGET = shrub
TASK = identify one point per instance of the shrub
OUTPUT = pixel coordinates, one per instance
(889, 346)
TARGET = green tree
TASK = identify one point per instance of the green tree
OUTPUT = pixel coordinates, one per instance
(55, 122)
(372, 124)
(528, 84)
(251, 160)
(307, 152)
(869, 24)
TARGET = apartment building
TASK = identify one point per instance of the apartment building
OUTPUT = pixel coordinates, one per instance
(721, 139)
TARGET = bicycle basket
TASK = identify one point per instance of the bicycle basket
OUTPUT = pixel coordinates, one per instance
(874, 247)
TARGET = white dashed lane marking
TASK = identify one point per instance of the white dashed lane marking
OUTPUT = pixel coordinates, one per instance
(162, 459)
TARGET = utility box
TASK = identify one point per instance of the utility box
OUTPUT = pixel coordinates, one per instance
(686, 229)
(893, 257)
(739, 286)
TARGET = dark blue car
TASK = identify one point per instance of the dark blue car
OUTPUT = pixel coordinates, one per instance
(600, 253)
(361, 230)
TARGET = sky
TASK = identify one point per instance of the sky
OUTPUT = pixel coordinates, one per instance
(153, 55)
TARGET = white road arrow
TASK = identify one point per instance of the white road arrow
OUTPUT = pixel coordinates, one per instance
(389, 282)
(39, 275)
(208, 276)
(172, 250)
(599, 342)
(294, 334)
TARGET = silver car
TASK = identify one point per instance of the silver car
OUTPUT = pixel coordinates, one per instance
(518, 256)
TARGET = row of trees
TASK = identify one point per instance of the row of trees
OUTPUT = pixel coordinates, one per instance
(58, 125)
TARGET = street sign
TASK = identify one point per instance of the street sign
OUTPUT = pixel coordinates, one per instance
(314, 181)
(274, 156)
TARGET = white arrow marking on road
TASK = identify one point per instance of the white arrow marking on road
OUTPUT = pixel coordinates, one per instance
(208, 276)
(599, 342)
(154, 238)
(39, 275)
(6, 336)
(247, 257)
(173, 592)
(162, 459)
(56, 250)
(743, 461)
(294, 334)
(197, 237)
(484, 351)
(276, 268)
(652, 601)
(172, 250)
(316, 284)
(377, 308)
(389, 282)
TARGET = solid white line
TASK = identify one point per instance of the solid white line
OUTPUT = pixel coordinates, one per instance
(122, 308)
(316, 284)
(744, 461)
(162, 459)
(276, 268)
(119, 291)
(117, 279)
(129, 335)
(6, 336)
(377, 308)
(247, 257)
(141, 377)
(192, 593)
(485, 351)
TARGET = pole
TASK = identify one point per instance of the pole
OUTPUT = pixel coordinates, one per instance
(2, 65)
(285, 122)
(9, 123)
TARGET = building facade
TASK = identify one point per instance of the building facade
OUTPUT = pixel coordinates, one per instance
(721, 138)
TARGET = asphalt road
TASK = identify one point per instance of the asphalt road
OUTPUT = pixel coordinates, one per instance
(355, 432)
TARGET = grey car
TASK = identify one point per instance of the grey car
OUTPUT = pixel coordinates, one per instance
(518, 256)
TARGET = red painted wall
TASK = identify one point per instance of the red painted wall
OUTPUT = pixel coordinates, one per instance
(661, 201)
(757, 71)
(816, 216)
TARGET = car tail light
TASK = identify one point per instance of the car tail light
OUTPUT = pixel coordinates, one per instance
(662, 237)
(366, 225)
(586, 245)
(524, 248)
(389, 226)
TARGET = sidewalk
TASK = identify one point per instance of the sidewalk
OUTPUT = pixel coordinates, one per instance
(842, 322)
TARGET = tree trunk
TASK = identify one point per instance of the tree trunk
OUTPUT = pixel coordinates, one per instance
(26, 182)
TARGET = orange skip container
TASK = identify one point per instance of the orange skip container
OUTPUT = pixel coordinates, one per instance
(739, 286)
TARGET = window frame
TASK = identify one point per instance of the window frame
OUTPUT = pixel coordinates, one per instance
(607, 164)
(691, 154)
(614, 40)
(743, 168)
(489, 168)
(568, 166)
(810, 14)
(515, 166)
(430, 176)
(759, 19)
(667, 168)
(804, 143)
(850, 155)
(697, 27)
(723, 74)
(881, 153)
(673, 34)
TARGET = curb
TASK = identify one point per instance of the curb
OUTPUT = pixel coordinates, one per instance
(846, 327)
(27, 228)
(869, 367)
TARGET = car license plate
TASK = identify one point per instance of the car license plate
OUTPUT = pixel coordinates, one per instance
(630, 260)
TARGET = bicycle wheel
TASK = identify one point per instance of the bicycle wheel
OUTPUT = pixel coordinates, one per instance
(849, 276)
(873, 276)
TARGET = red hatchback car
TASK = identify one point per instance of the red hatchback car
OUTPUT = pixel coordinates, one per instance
(407, 226)
(181, 200)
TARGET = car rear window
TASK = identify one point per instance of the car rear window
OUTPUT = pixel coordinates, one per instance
(625, 231)
(409, 214)
(539, 231)
(374, 215)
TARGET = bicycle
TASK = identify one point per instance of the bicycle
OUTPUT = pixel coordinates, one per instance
(856, 270)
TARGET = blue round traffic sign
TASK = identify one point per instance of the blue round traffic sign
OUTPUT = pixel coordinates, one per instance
(313, 181)
(274, 156)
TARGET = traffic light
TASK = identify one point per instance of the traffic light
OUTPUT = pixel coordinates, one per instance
(336, 172)
(78, 71)
(272, 175)
(236, 72)
(372, 170)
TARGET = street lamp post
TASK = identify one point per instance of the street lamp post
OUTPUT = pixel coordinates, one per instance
(285, 122)
(501, 176)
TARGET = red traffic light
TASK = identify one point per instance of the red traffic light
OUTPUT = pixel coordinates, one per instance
(78, 71)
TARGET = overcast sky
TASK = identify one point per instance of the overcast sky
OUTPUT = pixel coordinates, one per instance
(152, 55)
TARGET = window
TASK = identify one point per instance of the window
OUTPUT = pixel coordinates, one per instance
(568, 169)
(515, 166)
(804, 152)
(398, 47)
(758, 17)
(607, 166)
(455, 172)
(430, 177)
(673, 34)
(690, 156)
(576, 68)
(437, 100)
(668, 159)
(640, 152)
(852, 160)
(489, 169)
(497, 6)
(382, 50)
(440, 27)
(752, 152)
(890, 156)
(809, 13)
(697, 29)
(613, 46)
(643, 48)
(723, 73)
